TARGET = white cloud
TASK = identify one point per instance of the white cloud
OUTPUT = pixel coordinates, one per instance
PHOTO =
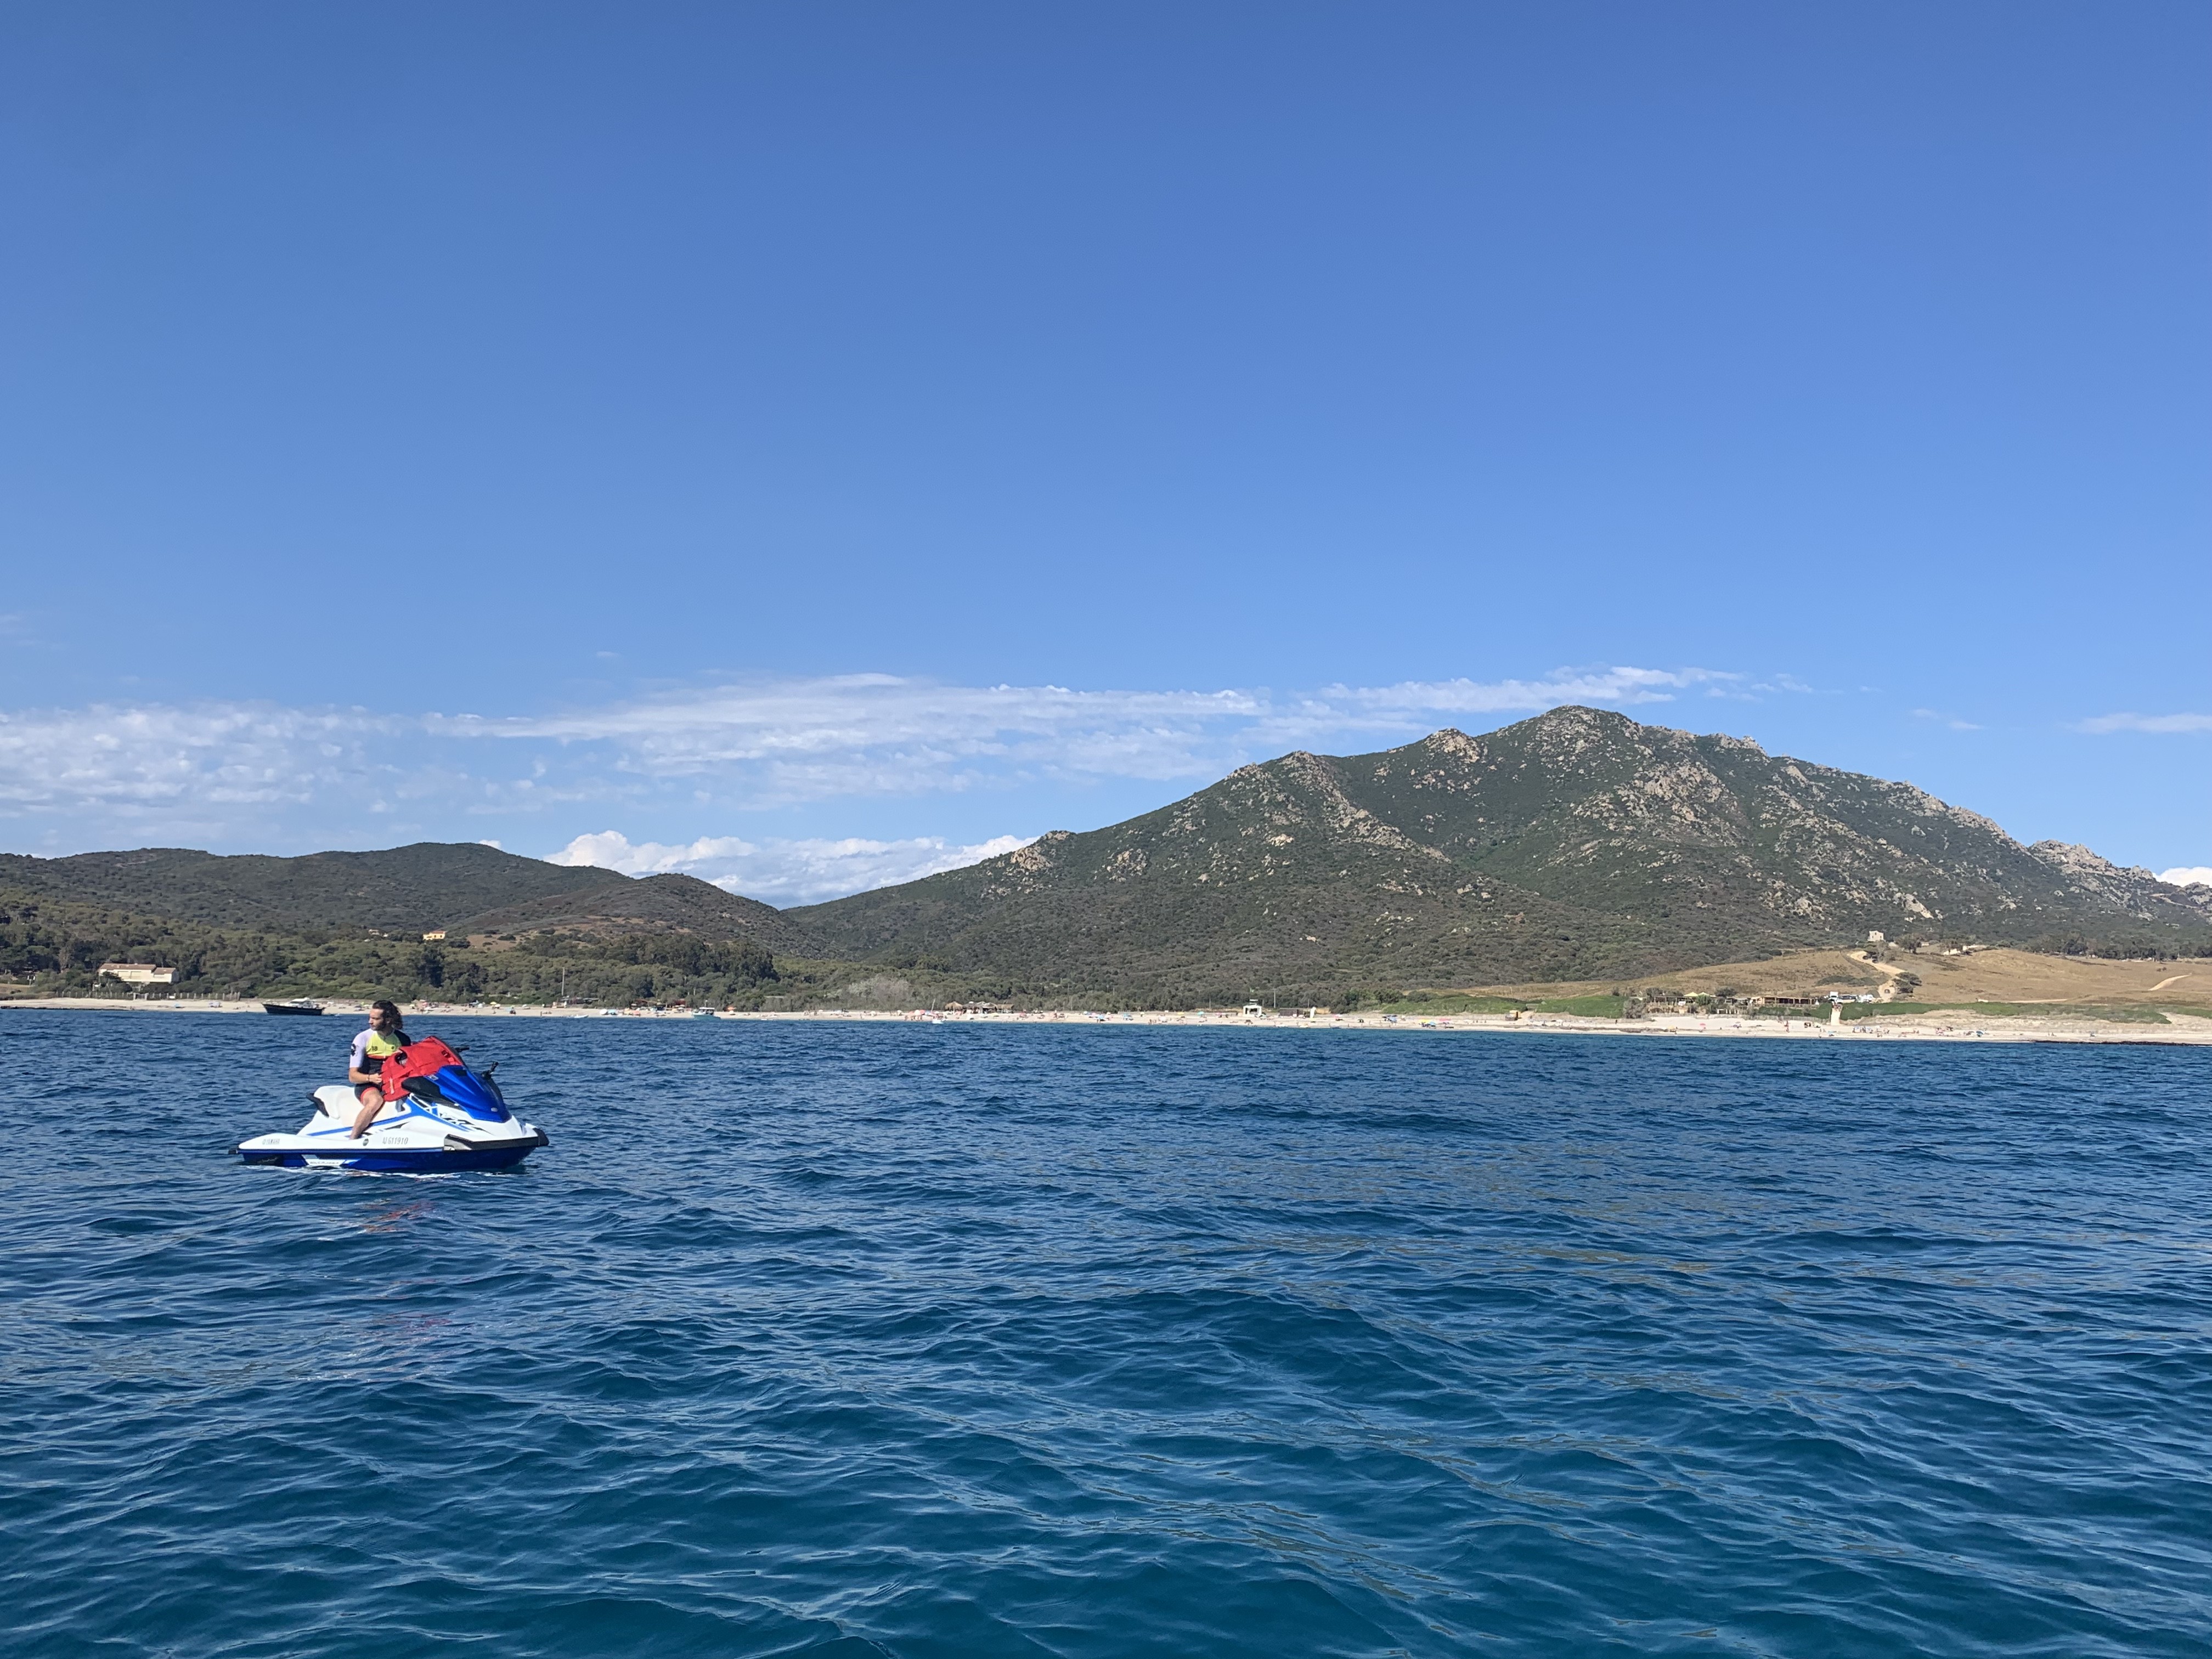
(785, 872)
(252, 772)
(875, 733)
(2158, 723)
(133, 761)
(2188, 876)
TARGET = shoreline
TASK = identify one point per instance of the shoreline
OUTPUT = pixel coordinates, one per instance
(2178, 1030)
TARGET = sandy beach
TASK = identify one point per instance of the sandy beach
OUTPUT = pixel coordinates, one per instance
(1963, 1026)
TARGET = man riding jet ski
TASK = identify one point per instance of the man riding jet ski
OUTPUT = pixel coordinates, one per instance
(426, 1111)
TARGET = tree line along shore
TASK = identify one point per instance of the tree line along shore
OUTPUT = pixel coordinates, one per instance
(2006, 988)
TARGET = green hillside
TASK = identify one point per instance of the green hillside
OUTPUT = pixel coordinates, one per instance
(648, 904)
(350, 924)
(54, 947)
(404, 889)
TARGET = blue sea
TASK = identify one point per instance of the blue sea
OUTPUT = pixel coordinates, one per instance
(916, 1341)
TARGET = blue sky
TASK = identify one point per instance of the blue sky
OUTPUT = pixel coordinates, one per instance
(814, 442)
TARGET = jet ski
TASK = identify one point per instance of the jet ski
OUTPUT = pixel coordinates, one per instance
(439, 1114)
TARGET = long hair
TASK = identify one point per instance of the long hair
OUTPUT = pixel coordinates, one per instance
(398, 1025)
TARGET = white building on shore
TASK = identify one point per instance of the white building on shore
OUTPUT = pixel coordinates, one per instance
(137, 973)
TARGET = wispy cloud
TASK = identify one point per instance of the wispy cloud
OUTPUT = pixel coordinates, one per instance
(2198, 875)
(785, 872)
(134, 761)
(2164, 724)
(876, 733)
(224, 771)
(1950, 720)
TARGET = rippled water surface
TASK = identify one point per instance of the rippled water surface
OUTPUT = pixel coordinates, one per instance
(956, 1340)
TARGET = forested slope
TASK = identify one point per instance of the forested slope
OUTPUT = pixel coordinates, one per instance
(402, 890)
(54, 947)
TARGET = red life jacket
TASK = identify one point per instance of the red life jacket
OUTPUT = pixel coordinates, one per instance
(421, 1057)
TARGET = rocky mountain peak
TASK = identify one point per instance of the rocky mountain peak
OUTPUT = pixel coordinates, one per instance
(2074, 858)
(1452, 744)
(1578, 842)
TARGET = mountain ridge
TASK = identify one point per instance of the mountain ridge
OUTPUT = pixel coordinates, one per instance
(400, 890)
(1575, 844)
(645, 904)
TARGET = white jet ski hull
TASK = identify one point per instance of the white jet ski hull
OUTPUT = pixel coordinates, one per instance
(409, 1136)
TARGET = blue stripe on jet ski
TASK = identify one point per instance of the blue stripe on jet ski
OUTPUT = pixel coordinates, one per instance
(397, 1160)
(494, 1155)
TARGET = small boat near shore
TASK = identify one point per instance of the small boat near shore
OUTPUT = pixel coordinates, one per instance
(297, 1005)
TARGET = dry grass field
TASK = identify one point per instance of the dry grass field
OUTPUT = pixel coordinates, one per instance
(1985, 976)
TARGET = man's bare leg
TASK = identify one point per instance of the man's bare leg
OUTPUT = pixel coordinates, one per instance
(372, 1102)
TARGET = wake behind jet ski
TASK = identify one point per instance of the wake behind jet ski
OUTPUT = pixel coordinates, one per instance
(437, 1115)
